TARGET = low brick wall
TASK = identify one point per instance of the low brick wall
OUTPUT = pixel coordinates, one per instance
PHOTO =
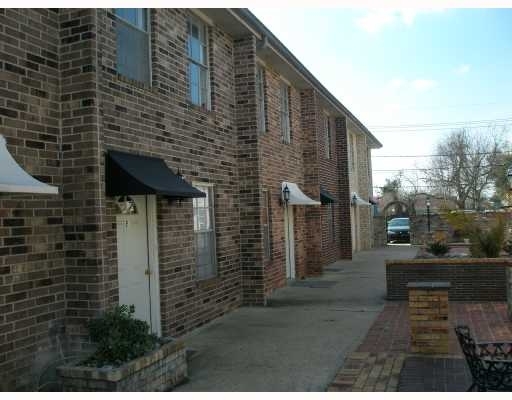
(471, 279)
(155, 372)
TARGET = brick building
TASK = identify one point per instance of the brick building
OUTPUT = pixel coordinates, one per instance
(361, 185)
(199, 166)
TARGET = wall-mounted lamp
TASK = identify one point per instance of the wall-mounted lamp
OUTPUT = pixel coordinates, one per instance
(286, 194)
(509, 177)
(354, 200)
(126, 205)
(179, 174)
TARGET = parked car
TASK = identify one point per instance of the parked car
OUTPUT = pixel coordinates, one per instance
(398, 230)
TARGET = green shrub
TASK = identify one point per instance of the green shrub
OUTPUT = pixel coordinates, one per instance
(120, 338)
(488, 243)
(438, 248)
(461, 223)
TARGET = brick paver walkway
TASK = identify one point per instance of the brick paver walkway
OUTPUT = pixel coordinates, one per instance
(424, 374)
(377, 362)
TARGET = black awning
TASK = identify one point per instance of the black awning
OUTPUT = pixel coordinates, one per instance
(326, 197)
(131, 174)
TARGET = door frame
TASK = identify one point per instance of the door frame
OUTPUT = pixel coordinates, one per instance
(153, 282)
(154, 277)
(290, 250)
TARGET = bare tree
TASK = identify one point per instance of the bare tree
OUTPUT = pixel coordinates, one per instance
(464, 165)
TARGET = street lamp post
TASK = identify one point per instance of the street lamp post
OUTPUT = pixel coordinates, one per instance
(428, 214)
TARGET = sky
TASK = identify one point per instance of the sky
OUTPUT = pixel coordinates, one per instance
(392, 68)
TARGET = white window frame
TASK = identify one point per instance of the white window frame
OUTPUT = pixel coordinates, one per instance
(147, 32)
(284, 94)
(260, 98)
(211, 215)
(327, 137)
(202, 26)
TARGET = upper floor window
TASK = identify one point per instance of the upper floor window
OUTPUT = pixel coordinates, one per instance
(198, 75)
(327, 136)
(285, 112)
(204, 232)
(260, 98)
(132, 30)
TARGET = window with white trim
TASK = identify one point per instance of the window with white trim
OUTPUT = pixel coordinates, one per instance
(204, 233)
(260, 98)
(285, 112)
(327, 137)
(198, 72)
(132, 43)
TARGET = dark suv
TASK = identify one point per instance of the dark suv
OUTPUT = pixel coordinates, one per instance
(398, 230)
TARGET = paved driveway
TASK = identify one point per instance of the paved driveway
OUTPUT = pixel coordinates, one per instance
(299, 341)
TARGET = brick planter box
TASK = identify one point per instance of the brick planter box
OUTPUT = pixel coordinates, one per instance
(471, 279)
(157, 371)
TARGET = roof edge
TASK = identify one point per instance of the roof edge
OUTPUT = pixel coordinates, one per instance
(251, 19)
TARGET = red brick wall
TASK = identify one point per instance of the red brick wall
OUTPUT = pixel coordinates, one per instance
(62, 105)
(251, 241)
(32, 274)
(282, 162)
(311, 155)
(470, 279)
(344, 189)
(160, 121)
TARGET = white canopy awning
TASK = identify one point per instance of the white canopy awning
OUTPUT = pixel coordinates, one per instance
(358, 201)
(297, 197)
(14, 179)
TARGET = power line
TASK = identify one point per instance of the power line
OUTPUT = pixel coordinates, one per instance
(440, 129)
(453, 106)
(435, 124)
(434, 168)
(413, 187)
(440, 155)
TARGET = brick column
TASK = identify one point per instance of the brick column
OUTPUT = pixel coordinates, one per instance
(309, 120)
(82, 189)
(251, 238)
(344, 189)
(428, 317)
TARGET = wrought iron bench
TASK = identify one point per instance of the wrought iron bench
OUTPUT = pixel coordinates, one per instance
(490, 363)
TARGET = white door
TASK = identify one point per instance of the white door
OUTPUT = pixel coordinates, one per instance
(136, 260)
(289, 240)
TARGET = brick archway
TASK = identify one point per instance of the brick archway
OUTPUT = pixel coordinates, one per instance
(396, 208)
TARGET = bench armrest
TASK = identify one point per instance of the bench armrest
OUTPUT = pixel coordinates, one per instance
(494, 343)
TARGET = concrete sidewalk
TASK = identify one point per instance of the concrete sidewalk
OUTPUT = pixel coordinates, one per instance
(300, 340)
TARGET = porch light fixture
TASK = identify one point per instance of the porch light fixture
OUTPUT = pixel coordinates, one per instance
(179, 174)
(354, 200)
(126, 205)
(286, 194)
